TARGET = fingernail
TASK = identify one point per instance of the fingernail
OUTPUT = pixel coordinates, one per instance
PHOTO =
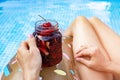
(77, 59)
(14, 61)
(76, 78)
(66, 56)
(30, 36)
(72, 72)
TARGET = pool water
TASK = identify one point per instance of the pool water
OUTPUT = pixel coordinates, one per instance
(17, 18)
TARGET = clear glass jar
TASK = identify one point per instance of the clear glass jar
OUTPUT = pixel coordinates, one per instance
(49, 42)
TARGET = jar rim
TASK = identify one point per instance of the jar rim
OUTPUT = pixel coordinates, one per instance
(39, 26)
(48, 20)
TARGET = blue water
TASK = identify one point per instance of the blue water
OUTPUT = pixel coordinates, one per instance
(17, 18)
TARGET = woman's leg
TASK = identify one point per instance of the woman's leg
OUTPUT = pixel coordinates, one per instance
(109, 39)
(83, 34)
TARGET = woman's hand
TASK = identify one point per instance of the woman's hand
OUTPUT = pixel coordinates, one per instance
(93, 58)
(29, 58)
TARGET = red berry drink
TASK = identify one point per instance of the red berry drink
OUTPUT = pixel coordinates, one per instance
(49, 42)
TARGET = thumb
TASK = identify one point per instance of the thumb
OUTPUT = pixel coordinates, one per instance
(31, 41)
(83, 61)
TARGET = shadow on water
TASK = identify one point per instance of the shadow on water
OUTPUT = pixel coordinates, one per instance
(1, 8)
(2, 1)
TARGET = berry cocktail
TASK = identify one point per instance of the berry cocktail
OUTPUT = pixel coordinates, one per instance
(49, 42)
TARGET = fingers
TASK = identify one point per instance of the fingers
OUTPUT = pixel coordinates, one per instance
(84, 56)
(82, 47)
(83, 61)
(27, 45)
(83, 52)
(31, 42)
(32, 45)
(22, 49)
(24, 45)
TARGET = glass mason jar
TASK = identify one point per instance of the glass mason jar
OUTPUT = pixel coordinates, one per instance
(49, 42)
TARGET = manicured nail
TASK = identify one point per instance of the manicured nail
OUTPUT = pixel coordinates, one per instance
(76, 56)
(30, 36)
(77, 59)
(69, 45)
(66, 56)
(76, 78)
(14, 61)
(72, 72)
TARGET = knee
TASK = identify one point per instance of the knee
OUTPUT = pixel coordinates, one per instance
(80, 18)
(94, 18)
